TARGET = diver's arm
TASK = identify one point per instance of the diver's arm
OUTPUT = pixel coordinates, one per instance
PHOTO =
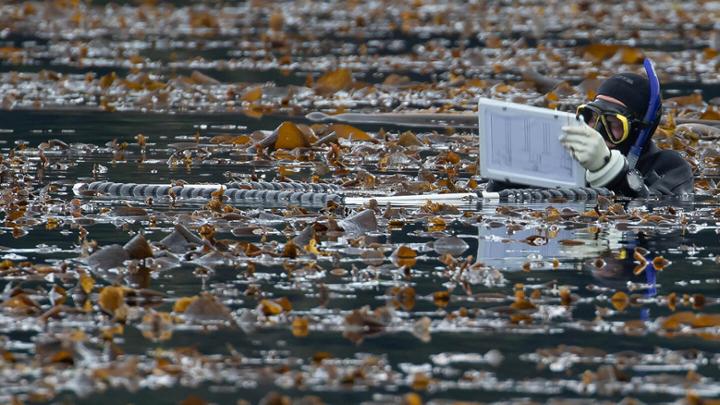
(668, 174)
(603, 167)
(621, 181)
(664, 172)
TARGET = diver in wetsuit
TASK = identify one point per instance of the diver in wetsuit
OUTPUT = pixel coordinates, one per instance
(614, 121)
(616, 127)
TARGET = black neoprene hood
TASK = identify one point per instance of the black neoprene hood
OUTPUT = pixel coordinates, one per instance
(633, 90)
(630, 88)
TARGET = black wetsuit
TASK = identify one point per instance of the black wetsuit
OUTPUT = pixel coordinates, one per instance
(664, 172)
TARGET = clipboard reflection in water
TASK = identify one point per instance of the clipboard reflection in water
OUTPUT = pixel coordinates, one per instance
(509, 249)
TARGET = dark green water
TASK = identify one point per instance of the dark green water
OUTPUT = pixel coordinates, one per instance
(514, 378)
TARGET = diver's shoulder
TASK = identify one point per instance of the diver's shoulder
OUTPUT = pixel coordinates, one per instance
(669, 154)
(667, 161)
(666, 156)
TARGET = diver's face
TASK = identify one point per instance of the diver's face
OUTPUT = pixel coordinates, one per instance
(616, 130)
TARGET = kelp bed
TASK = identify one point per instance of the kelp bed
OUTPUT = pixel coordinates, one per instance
(166, 300)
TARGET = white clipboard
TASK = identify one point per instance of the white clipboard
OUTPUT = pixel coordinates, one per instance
(519, 144)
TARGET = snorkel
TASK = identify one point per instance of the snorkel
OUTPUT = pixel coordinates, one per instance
(653, 107)
(634, 178)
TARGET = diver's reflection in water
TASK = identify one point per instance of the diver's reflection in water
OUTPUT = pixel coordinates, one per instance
(614, 270)
(619, 269)
(508, 247)
(608, 257)
(622, 268)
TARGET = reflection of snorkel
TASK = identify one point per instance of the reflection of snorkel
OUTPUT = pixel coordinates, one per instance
(650, 280)
(634, 177)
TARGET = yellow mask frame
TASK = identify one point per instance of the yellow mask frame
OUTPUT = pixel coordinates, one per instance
(616, 126)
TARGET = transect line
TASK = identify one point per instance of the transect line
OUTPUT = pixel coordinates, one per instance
(319, 195)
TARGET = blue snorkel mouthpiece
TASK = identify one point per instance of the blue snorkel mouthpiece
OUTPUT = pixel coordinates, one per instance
(654, 105)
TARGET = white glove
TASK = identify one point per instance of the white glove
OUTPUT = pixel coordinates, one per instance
(588, 147)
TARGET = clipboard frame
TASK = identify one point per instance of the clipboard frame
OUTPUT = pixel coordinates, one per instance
(552, 121)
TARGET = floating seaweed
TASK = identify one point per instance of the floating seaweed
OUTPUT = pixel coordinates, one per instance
(240, 285)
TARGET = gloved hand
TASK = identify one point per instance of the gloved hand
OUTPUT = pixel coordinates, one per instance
(587, 146)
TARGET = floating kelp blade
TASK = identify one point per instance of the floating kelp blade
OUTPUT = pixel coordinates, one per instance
(425, 120)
